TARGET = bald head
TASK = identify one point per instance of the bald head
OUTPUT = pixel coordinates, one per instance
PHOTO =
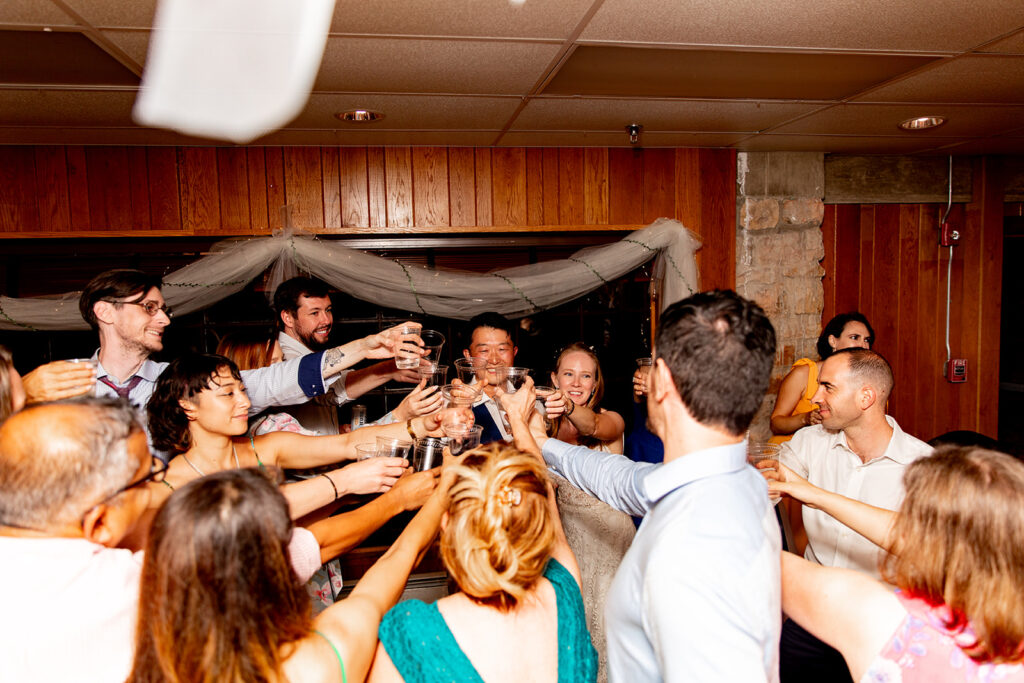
(867, 367)
(58, 460)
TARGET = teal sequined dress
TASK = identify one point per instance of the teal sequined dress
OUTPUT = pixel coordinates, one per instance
(424, 650)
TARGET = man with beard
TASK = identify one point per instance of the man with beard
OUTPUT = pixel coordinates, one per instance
(303, 307)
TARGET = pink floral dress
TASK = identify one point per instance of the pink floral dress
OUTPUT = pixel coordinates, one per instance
(926, 649)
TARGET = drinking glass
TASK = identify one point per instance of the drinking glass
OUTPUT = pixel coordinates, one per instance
(407, 357)
(428, 453)
(94, 364)
(471, 370)
(392, 447)
(497, 375)
(366, 450)
(516, 376)
(433, 342)
(758, 452)
(435, 374)
(456, 423)
(459, 394)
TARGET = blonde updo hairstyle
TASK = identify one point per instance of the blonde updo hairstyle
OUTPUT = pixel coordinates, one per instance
(499, 533)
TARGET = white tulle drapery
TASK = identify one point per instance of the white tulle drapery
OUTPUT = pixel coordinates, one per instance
(455, 294)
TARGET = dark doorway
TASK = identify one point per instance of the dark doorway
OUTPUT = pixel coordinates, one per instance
(1011, 360)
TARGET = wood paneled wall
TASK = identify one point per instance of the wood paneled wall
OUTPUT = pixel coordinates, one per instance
(165, 191)
(885, 261)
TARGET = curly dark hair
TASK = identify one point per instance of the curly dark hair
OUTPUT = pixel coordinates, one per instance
(184, 378)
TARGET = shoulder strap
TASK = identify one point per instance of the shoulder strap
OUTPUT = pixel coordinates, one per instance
(337, 654)
(252, 444)
(422, 647)
(577, 658)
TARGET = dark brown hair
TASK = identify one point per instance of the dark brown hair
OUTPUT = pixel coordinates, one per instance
(958, 543)
(249, 349)
(184, 378)
(219, 599)
(6, 396)
(114, 284)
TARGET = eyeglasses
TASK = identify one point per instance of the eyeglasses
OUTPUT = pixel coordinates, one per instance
(149, 306)
(157, 470)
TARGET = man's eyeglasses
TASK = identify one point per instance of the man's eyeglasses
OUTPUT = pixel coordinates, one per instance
(157, 470)
(150, 306)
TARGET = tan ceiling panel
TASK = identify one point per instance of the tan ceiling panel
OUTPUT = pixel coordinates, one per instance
(604, 70)
(65, 108)
(837, 144)
(674, 115)
(973, 78)
(571, 138)
(939, 25)
(96, 136)
(116, 13)
(987, 146)
(135, 44)
(33, 13)
(432, 66)
(883, 119)
(58, 58)
(499, 18)
(454, 138)
(409, 112)
(1012, 45)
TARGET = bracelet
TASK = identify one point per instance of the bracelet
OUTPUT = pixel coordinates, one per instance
(332, 485)
(572, 407)
(408, 428)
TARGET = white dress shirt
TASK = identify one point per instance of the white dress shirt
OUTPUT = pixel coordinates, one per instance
(697, 596)
(69, 607)
(824, 458)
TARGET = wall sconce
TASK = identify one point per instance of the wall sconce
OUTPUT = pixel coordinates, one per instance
(633, 130)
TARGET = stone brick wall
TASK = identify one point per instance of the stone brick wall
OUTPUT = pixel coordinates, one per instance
(778, 253)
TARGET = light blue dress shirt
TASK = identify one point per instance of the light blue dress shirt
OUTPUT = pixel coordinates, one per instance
(697, 597)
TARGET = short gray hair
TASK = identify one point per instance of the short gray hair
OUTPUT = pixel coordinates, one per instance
(58, 460)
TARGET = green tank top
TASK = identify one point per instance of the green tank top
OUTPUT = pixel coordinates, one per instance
(424, 650)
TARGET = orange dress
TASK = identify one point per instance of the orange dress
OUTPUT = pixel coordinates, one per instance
(804, 405)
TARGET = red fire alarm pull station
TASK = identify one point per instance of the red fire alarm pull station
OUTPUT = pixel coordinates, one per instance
(956, 370)
(948, 235)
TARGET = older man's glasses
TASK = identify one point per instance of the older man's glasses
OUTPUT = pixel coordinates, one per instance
(157, 470)
(150, 307)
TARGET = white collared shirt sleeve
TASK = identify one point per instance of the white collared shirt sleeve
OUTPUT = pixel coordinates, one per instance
(615, 479)
(274, 385)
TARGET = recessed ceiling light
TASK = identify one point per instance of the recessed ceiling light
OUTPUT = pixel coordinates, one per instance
(360, 116)
(923, 123)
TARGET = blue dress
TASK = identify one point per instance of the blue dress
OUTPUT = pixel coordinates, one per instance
(424, 650)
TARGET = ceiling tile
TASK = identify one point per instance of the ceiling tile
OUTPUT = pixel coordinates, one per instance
(939, 25)
(883, 119)
(455, 138)
(607, 70)
(96, 136)
(33, 13)
(58, 58)
(1011, 45)
(116, 13)
(135, 44)
(838, 144)
(408, 112)
(432, 66)
(973, 78)
(571, 138)
(498, 18)
(1001, 145)
(675, 115)
(66, 108)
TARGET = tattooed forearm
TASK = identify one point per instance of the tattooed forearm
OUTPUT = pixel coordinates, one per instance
(332, 358)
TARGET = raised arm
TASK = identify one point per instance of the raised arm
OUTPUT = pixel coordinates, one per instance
(602, 425)
(844, 608)
(352, 623)
(873, 523)
(374, 475)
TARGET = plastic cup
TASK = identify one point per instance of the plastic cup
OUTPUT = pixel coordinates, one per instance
(366, 450)
(470, 369)
(758, 452)
(516, 377)
(94, 364)
(459, 394)
(435, 374)
(391, 447)
(406, 360)
(433, 342)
